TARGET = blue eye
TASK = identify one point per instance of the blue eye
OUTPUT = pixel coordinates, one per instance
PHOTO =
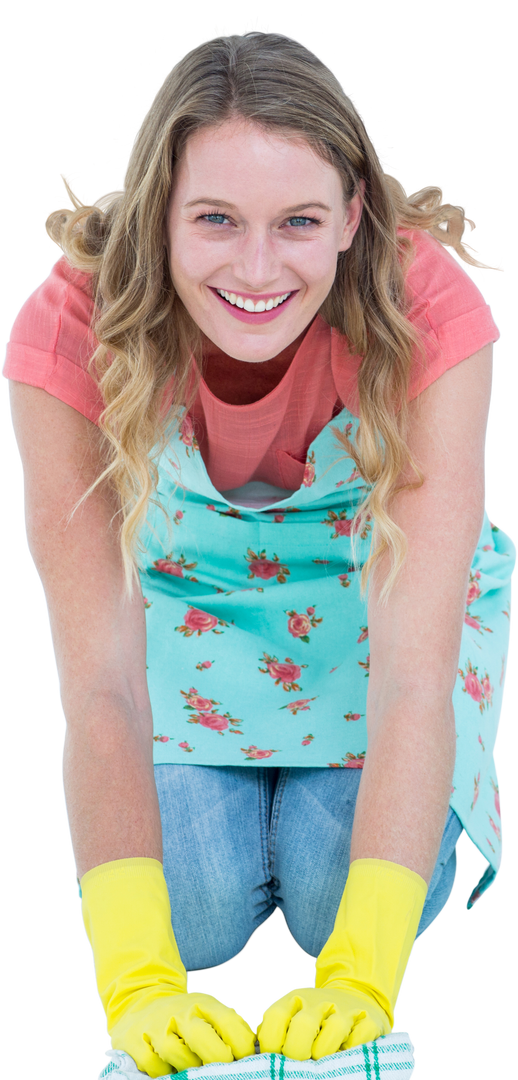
(299, 219)
(204, 216)
(207, 216)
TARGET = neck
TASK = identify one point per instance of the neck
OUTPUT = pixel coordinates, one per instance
(240, 382)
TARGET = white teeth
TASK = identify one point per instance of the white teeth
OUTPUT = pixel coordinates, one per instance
(248, 305)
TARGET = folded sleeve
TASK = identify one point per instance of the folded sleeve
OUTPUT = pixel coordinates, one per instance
(51, 342)
(447, 308)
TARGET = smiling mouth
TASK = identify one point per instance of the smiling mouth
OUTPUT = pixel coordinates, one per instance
(248, 305)
(273, 308)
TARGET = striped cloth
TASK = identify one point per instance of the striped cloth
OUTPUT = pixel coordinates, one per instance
(388, 1057)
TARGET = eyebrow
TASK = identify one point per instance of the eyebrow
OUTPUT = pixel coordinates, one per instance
(231, 206)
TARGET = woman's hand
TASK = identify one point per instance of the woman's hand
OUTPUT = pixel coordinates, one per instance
(312, 1023)
(163, 1029)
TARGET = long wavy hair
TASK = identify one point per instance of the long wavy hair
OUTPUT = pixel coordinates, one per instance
(145, 335)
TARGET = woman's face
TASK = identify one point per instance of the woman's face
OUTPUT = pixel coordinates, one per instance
(256, 216)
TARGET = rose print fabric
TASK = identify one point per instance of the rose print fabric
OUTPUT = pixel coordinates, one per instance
(258, 643)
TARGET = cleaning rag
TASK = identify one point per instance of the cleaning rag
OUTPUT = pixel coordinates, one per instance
(386, 1058)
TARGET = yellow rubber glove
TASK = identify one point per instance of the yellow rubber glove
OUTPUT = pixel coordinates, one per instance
(141, 979)
(358, 972)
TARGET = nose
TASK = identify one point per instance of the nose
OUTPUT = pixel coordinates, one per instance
(258, 262)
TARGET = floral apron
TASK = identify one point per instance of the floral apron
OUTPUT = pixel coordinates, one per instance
(258, 644)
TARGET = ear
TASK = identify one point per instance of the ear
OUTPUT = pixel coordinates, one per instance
(352, 218)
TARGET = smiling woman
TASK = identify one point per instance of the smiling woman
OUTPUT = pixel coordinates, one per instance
(255, 383)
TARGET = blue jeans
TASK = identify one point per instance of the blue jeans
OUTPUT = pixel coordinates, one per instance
(238, 842)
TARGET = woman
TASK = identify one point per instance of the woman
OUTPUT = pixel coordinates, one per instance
(259, 374)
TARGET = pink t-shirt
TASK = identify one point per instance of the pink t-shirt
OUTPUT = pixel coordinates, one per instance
(51, 345)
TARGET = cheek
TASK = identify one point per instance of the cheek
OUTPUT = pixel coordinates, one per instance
(193, 263)
(317, 263)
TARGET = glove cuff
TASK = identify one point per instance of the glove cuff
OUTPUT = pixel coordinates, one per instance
(374, 930)
(127, 917)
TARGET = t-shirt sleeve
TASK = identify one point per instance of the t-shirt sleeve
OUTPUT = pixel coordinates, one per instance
(447, 308)
(52, 343)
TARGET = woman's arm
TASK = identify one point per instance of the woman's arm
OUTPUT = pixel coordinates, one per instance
(99, 635)
(415, 639)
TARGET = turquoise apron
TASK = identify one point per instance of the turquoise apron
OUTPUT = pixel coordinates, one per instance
(258, 648)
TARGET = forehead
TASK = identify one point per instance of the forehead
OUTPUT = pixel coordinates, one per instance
(242, 157)
(244, 136)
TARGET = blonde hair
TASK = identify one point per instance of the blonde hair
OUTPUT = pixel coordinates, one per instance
(146, 335)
